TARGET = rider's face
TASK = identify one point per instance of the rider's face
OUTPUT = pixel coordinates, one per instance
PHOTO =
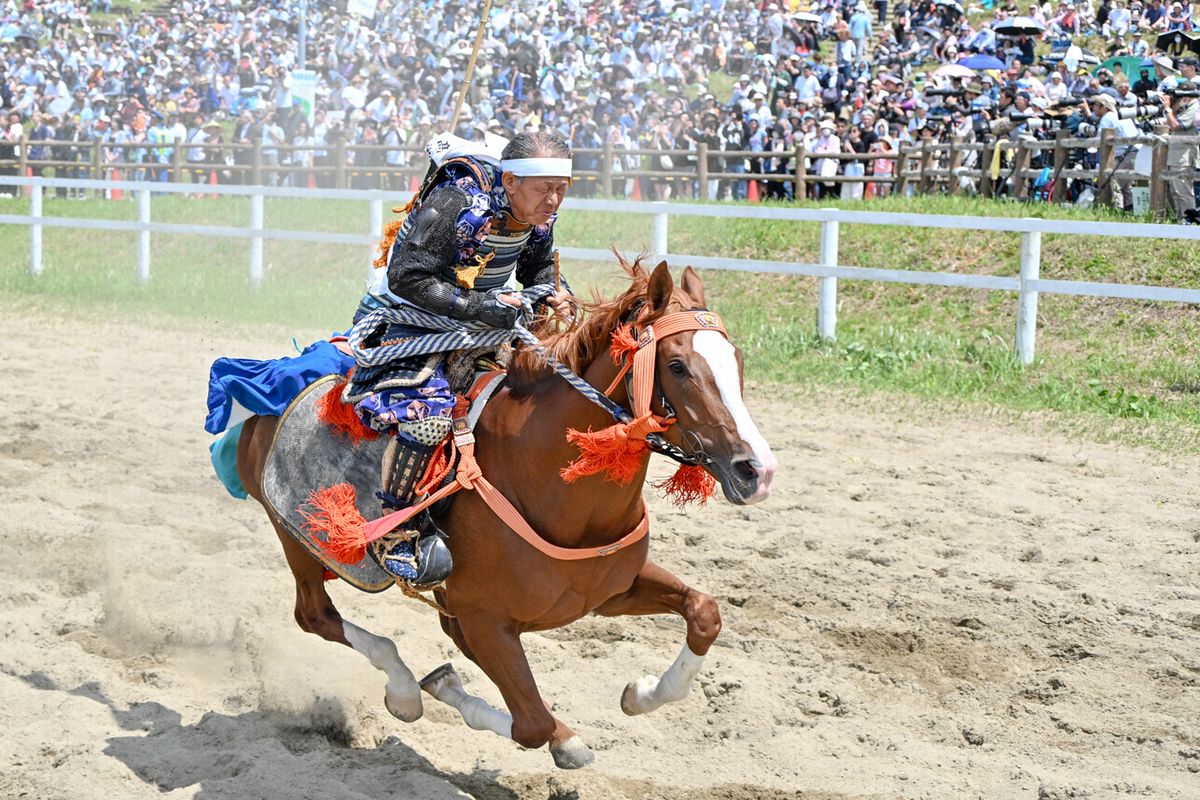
(535, 199)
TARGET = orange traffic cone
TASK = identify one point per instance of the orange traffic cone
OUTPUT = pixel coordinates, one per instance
(636, 194)
(116, 194)
(752, 192)
(312, 181)
(414, 185)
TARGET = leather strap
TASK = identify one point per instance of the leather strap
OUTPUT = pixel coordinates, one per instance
(469, 476)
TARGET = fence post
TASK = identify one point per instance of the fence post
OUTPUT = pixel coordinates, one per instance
(1058, 190)
(827, 303)
(658, 232)
(606, 170)
(23, 161)
(985, 168)
(256, 242)
(98, 166)
(35, 230)
(1108, 161)
(1158, 168)
(901, 172)
(374, 228)
(1027, 299)
(956, 159)
(339, 163)
(256, 165)
(801, 173)
(702, 169)
(177, 161)
(1021, 161)
(143, 248)
(926, 183)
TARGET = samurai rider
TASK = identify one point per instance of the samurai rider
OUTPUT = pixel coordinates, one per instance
(475, 223)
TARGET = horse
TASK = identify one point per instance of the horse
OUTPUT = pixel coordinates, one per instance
(501, 587)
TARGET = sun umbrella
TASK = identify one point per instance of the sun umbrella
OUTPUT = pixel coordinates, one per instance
(978, 62)
(953, 71)
(806, 16)
(949, 4)
(1016, 26)
(1175, 42)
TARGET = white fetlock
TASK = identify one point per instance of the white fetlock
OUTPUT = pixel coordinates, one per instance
(402, 696)
(571, 754)
(648, 693)
(638, 697)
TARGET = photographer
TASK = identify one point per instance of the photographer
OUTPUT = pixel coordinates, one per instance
(1125, 153)
(1183, 157)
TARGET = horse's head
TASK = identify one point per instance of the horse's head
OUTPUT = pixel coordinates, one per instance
(698, 373)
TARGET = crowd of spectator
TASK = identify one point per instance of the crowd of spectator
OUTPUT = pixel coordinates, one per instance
(835, 75)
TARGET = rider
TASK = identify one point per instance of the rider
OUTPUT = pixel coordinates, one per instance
(475, 222)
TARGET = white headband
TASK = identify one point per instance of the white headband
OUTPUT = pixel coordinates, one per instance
(537, 167)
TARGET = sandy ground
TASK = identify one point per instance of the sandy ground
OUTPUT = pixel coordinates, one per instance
(926, 608)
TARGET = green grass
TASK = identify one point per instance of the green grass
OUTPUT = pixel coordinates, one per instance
(1105, 368)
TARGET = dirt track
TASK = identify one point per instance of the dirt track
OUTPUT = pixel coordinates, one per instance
(942, 608)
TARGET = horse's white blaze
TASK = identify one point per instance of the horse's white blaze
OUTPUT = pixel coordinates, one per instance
(715, 349)
(648, 693)
(403, 694)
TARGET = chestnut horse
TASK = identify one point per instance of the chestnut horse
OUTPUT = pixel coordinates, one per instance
(501, 586)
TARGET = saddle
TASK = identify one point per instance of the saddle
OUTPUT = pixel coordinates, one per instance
(308, 455)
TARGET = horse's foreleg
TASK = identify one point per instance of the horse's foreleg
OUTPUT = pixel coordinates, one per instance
(656, 591)
(497, 649)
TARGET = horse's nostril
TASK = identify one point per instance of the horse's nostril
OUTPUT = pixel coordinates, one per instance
(747, 469)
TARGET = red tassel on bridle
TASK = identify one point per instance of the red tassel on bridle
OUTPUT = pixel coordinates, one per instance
(618, 450)
(689, 484)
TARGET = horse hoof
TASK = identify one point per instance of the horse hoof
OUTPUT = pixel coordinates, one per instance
(633, 699)
(572, 754)
(404, 708)
(440, 678)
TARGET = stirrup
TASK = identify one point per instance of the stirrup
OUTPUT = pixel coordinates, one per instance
(417, 555)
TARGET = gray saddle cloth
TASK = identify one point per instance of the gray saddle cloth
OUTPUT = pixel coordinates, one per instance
(307, 454)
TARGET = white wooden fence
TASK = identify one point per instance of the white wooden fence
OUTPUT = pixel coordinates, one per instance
(1028, 284)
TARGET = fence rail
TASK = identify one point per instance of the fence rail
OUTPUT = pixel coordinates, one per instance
(1027, 284)
(931, 166)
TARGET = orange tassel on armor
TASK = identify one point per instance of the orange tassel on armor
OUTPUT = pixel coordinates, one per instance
(390, 231)
(689, 484)
(618, 450)
(336, 515)
(341, 417)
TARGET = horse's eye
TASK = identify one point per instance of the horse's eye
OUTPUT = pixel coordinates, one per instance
(677, 368)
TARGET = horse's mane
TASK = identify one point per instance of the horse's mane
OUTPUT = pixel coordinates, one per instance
(587, 337)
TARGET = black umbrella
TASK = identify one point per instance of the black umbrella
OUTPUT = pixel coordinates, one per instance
(105, 34)
(1019, 25)
(1176, 42)
(792, 33)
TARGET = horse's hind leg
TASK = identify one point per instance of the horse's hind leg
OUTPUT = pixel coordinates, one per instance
(315, 612)
(656, 591)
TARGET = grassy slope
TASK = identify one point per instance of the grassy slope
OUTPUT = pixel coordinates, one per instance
(1113, 367)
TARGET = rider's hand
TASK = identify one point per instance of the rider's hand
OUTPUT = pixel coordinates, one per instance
(562, 304)
(510, 299)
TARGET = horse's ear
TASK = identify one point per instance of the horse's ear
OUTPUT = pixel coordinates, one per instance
(661, 286)
(693, 286)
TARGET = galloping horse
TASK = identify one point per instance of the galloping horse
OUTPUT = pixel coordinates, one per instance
(501, 586)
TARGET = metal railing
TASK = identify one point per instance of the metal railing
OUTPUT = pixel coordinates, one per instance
(1027, 284)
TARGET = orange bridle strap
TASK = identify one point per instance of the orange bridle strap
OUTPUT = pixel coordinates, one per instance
(643, 361)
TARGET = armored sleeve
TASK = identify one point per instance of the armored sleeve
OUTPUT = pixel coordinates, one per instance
(420, 264)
